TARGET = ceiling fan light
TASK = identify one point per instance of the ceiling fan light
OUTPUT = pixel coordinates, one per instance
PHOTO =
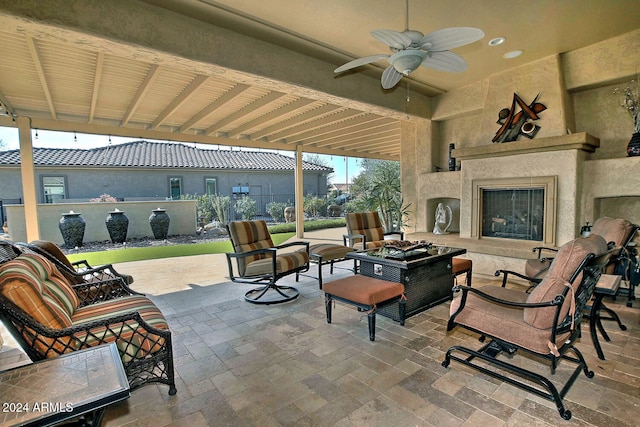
(497, 41)
(512, 54)
(407, 61)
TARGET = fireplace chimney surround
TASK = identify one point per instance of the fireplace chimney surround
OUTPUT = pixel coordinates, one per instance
(533, 218)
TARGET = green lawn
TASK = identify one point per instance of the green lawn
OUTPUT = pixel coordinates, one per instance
(140, 254)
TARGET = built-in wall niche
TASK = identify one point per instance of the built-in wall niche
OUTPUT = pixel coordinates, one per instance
(453, 203)
(515, 209)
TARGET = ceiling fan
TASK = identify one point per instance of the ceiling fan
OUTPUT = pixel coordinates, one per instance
(411, 49)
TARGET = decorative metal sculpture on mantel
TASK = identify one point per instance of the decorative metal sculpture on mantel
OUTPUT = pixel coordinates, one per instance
(513, 124)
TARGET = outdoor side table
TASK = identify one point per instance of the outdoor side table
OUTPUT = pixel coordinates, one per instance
(54, 390)
(607, 286)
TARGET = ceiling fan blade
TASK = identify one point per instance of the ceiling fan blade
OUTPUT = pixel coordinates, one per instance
(450, 38)
(390, 77)
(393, 39)
(445, 61)
(359, 62)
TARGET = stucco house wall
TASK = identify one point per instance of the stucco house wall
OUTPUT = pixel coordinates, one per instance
(140, 184)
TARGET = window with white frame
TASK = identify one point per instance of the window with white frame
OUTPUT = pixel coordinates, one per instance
(54, 188)
(175, 187)
(210, 186)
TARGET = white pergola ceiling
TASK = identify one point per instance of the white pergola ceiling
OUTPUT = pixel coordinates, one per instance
(161, 69)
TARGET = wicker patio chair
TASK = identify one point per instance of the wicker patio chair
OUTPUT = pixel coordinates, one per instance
(78, 271)
(544, 323)
(43, 312)
(258, 261)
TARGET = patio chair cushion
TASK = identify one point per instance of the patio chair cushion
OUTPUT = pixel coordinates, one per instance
(367, 224)
(563, 266)
(503, 322)
(132, 340)
(22, 286)
(612, 230)
(284, 262)
(572, 253)
(249, 236)
(364, 290)
(547, 290)
(56, 285)
(54, 250)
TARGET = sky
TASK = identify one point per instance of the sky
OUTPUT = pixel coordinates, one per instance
(50, 139)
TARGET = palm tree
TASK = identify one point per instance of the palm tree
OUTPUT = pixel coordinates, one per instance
(378, 188)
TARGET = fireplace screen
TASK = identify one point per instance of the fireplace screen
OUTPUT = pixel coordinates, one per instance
(513, 213)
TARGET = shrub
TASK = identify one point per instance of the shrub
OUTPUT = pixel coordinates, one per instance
(315, 206)
(211, 206)
(308, 225)
(104, 198)
(221, 206)
(246, 207)
(276, 210)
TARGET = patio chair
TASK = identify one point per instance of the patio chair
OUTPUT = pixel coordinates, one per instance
(259, 261)
(107, 282)
(616, 232)
(78, 271)
(544, 323)
(365, 231)
(44, 314)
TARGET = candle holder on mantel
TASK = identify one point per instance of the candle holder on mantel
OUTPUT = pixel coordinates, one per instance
(452, 160)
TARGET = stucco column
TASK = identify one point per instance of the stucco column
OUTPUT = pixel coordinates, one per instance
(299, 187)
(27, 170)
(416, 159)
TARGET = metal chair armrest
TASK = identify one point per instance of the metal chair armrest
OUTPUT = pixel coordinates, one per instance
(81, 264)
(351, 237)
(539, 249)
(556, 301)
(299, 243)
(522, 276)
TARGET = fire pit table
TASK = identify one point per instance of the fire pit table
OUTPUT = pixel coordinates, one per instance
(423, 269)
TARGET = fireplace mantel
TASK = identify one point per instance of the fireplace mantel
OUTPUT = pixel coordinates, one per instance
(575, 141)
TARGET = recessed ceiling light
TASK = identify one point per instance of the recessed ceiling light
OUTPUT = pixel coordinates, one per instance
(497, 41)
(512, 54)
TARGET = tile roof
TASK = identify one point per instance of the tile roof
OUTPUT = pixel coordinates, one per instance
(143, 154)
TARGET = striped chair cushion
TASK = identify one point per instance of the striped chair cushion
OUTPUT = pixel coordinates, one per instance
(248, 236)
(329, 251)
(367, 224)
(284, 263)
(21, 285)
(133, 341)
(56, 285)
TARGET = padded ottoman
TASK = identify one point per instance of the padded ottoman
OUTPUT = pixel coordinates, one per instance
(366, 293)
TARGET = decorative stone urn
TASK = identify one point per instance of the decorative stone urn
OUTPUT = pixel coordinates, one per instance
(159, 221)
(117, 225)
(72, 227)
